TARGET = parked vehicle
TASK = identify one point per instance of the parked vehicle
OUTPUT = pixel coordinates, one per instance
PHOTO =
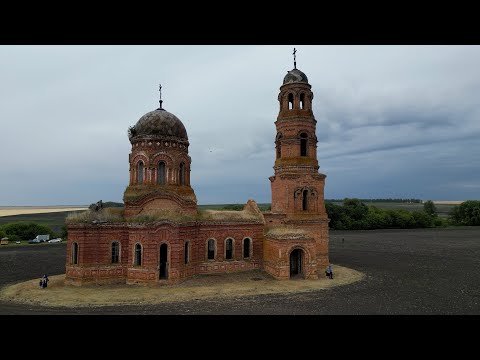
(40, 238)
(55, 240)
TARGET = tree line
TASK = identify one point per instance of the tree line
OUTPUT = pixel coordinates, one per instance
(388, 200)
(354, 214)
(28, 231)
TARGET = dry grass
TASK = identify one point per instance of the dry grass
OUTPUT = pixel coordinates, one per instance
(440, 202)
(35, 210)
(229, 215)
(107, 214)
(202, 287)
(286, 231)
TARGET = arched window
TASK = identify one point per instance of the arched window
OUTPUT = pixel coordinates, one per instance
(211, 249)
(138, 255)
(187, 252)
(246, 248)
(115, 252)
(302, 101)
(290, 101)
(229, 249)
(279, 146)
(303, 144)
(74, 253)
(140, 168)
(305, 200)
(161, 173)
(182, 173)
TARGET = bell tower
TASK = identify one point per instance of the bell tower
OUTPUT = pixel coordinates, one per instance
(296, 237)
(297, 186)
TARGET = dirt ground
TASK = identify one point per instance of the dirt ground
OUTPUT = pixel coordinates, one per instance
(427, 271)
(203, 287)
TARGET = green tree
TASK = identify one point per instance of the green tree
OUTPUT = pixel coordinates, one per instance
(26, 231)
(423, 219)
(355, 209)
(467, 213)
(64, 232)
(430, 208)
(235, 207)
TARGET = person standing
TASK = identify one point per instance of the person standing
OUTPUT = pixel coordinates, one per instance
(45, 280)
(329, 272)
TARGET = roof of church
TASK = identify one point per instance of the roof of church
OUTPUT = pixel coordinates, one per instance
(295, 76)
(159, 123)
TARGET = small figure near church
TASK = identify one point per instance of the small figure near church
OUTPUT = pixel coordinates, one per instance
(44, 281)
(329, 272)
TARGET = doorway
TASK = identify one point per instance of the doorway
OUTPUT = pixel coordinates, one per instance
(296, 259)
(163, 262)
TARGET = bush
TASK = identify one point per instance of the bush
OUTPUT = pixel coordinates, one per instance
(265, 207)
(423, 219)
(467, 213)
(441, 222)
(235, 207)
(64, 232)
(355, 215)
(430, 208)
(26, 231)
(355, 209)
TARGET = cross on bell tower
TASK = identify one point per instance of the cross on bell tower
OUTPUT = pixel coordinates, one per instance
(161, 101)
(297, 186)
(294, 58)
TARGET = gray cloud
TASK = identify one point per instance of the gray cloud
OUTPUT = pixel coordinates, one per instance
(392, 120)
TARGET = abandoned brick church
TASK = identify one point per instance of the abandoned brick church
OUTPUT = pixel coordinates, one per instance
(160, 237)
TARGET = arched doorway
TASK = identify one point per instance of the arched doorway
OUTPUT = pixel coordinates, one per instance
(163, 262)
(296, 263)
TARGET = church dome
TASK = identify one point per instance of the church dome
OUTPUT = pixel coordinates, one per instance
(295, 76)
(159, 123)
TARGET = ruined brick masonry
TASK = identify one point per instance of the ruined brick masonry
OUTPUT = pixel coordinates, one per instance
(162, 238)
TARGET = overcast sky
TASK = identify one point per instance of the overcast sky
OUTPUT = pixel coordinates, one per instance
(393, 121)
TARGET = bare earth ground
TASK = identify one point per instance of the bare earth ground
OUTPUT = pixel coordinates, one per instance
(11, 211)
(428, 271)
(199, 288)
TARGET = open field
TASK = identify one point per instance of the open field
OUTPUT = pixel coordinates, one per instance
(55, 220)
(424, 271)
(24, 210)
(448, 202)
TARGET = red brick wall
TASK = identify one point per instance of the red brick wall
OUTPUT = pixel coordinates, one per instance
(283, 190)
(95, 251)
(94, 254)
(277, 257)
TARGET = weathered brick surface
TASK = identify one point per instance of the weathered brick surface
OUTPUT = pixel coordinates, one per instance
(296, 176)
(95, 250)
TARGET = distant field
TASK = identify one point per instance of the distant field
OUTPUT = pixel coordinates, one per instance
(54, 216)
(448, 202)
(55, 220)
(23, 210)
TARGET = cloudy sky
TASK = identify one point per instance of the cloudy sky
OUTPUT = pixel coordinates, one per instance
(393, 121)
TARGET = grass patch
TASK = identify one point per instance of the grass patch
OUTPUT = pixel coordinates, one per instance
(113, 215)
